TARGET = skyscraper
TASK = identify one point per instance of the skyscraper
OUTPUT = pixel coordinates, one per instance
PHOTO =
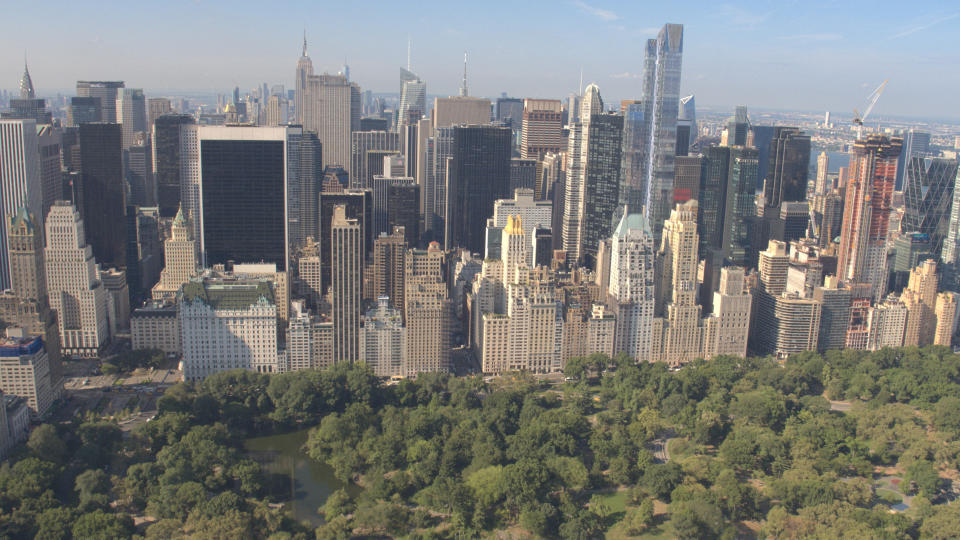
(73, 283)
(928, 195)
(631, 291)
(633, 190)
(677, 334)
(413, 98)
(738, 126)
(346, 256)
(358, 204)
(740, 209)
(131, 110)
(28, 105)
(661, 101)
(915, 143)
(862, 257)
(456, 110)
(166, 161)
(541, 129)
(478, 175)
(367, 150)
(180, 259)
(388, 267)
(304, 72)
(427, 310)
(823, 165)
(331, 109)
(20, 181)
(103, 200)
(593, 178)
(106, 92)
(259, 180)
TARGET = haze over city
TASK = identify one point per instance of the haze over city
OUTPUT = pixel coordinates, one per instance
(812, 56)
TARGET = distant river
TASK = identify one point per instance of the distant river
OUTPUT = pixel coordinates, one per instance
(311, 482)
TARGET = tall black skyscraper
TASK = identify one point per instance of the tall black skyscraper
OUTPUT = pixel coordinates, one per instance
(103, 194)
(478, 175)
(713, 195)
(359, 206)
(740, 210)
(166, 161)
(403, 210)
(601, 188)
(762, 137)
(786, 182)
(789, 166)
(243, 201)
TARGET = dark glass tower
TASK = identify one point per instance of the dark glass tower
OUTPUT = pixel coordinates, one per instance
(740, 209)
(403, 210)
(478, 175)
(243, 202)
(927, 196)
(103, 194)
(359, 206)
(601, 189)
(789, 166)
(166, 161)
(713, 194)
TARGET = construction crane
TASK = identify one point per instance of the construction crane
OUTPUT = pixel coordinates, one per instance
(858, 119)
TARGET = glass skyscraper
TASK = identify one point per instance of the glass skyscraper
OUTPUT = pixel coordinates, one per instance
(927, 196)
(661, 101)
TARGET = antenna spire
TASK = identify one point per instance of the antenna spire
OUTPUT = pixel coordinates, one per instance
(304, 41)
(408, 53)
(463, 88)
(580, 88)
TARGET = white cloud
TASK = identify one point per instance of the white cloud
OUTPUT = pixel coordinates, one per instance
(603, 14)
(924, 25)
(626, 75)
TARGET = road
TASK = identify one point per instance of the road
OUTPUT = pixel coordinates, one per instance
(659, 446)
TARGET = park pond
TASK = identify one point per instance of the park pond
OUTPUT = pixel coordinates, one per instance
(310, 482)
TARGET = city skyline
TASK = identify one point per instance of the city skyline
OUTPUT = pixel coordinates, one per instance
(810, 56)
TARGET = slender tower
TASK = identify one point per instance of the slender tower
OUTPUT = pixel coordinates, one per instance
(463, 85)
(304, 70)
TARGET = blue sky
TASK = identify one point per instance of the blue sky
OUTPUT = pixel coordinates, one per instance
(810, 55)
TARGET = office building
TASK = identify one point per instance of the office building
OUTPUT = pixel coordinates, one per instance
(75, 291)
(686, 178)
(303, 74)
(456, 110)
(331, 109)
(166, 160)
(104, 91)
(103, 200)
(227, 322)
(523, 173)
(359, 206)
(346, 256)
(20, 181)
(27, 105)
(84, 110)
(427, 311)
(402, 210)
(367, 151)
(131, 110)
(633, 191)
(388, 267)
(593, 178)
(928, 196)
(786, 180)
(413, 98)
(156, 107)
(138, 172)
(738, 127)
(862, 256)
(915, 144)
(712, 195)
(541, 130)
(727, 328)
(661, 103)
(260, 180)
(478, 175)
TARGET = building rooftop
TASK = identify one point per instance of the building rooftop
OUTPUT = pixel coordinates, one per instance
(239, 294)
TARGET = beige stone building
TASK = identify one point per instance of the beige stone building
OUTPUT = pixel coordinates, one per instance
(179, 259)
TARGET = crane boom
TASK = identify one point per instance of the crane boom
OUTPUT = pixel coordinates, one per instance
(873, 100)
